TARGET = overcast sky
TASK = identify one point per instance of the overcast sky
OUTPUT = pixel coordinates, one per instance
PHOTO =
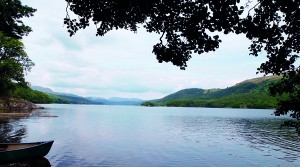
(121, 64)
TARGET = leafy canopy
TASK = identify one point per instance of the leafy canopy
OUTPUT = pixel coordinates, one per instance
(11, 12)
(184, 25)
(14, 63)
(188, 26)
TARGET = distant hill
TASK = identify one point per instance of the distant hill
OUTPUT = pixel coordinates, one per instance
(116, 101)
(98, 100)
(252, 93)
(33, 96)
(48, 90)
(67, 98)
(125, 101)
(42, 89)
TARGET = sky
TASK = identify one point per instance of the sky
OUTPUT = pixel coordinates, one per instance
(121, 64)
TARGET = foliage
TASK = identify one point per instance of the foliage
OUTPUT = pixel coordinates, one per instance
(11, 12)
(183, 24)
(188, 26)
(14, 63)
(34, 96)
(289, 86)
(270, 25)
(148, 104)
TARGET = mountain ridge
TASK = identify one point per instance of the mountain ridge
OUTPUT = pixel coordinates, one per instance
(251, 93)
(76, 99)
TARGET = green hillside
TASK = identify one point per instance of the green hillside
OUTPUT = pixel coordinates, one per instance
(251, 93)
(32, 95)
(39, 97)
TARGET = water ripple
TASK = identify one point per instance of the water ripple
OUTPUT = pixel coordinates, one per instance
(125, 136)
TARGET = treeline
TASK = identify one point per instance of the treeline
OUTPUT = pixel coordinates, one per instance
(238, 101)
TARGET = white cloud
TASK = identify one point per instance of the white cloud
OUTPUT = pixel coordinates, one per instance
(121, 63)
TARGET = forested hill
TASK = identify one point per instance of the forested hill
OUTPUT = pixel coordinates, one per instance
(252, 93)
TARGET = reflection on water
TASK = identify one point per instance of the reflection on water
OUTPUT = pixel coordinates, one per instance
(41, 162)
(11, 131)
(262, 135)
(140, 136)
(267, 136)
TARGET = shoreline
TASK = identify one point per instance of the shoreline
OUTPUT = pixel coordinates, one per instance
(9, 115)
(18, 108)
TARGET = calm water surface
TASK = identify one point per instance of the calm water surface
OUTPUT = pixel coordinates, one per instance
(87, 135)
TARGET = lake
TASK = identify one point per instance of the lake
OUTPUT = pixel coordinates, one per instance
(96, 135)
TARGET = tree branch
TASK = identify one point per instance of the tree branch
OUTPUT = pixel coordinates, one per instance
(162, 36)
(253, 8)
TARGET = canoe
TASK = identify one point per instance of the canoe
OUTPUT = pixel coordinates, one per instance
(12, 152)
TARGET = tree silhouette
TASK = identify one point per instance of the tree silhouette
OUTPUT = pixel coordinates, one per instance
(184, 25)
(192, 26)
(11, 12)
